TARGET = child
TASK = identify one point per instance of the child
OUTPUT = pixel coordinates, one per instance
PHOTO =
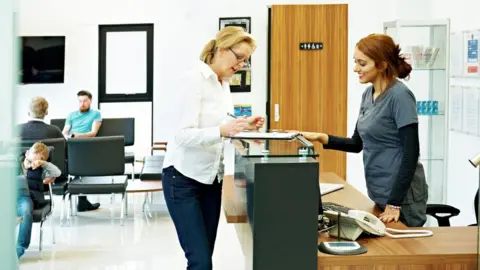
(37, 171)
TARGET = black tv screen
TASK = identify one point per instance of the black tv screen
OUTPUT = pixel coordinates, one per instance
(42, 59)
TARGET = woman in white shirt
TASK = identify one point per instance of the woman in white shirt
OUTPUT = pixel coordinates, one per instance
(193, 165)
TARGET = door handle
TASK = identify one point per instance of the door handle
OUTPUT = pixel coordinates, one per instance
(277, 112)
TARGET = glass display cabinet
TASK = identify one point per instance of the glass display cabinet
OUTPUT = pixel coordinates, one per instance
(425, 44)
(280, 191)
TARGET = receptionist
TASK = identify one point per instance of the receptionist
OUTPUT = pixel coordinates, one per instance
(387, 132)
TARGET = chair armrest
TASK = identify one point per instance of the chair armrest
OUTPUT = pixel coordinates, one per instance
(442, 213)
(442, 209)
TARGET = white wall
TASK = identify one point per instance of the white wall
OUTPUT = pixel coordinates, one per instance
(462, 177)
(182, 27)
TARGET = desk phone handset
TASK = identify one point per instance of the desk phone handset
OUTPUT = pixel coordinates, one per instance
(356, 222)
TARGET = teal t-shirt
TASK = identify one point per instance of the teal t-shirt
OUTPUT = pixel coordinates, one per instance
(81, 122)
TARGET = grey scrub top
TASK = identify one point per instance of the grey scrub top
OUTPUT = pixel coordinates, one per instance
(378, 125)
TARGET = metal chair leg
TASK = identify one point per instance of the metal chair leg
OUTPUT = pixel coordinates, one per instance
(53, 230)
(122, 215)
(62, 209)
(40, 244)
(75, 204)
(133, 171)
(144, 202)
(69, 213)
(146, 206)
(126, 204)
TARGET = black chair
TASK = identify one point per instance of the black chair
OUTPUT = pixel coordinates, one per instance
(59, 159)
(121, 127)
(41, 214)
(98, 167)
(152, 168)
(113, 127)
(443, 212)
(59, 122)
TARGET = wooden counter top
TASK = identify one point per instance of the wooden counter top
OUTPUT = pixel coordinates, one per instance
(448, 248)
(457, 245)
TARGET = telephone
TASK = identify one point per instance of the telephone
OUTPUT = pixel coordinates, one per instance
(356, 222)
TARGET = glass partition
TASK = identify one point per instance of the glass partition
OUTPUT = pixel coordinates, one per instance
(294, 146)
(8, 80)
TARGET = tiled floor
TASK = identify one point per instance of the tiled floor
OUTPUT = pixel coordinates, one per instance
(96, 241)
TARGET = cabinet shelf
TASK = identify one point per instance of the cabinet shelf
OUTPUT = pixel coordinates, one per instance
(426, 43)
(428, 69)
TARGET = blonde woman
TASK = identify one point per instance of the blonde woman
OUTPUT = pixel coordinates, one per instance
(193, 165)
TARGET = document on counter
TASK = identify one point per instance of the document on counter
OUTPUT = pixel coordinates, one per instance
(265, 135)
(326, 188)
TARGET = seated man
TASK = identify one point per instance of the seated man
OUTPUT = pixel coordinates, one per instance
(37, 129)
(37, 171)
(83, 123)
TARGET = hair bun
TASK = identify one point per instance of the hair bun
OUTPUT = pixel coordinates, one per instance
(403, 69)
(397, 49)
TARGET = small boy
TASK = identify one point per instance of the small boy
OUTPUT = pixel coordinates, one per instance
(37, 171)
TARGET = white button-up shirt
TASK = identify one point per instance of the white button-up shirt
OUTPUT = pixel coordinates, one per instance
(197, 147)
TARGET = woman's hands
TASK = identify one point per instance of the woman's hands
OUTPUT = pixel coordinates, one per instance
(391, 214)
(240, 124)
(233, 127)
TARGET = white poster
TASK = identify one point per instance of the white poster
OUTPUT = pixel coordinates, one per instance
(472, 53)
(470, 110)
(456, 112)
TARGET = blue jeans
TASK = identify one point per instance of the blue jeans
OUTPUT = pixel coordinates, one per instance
(24, 209)
(195, 211)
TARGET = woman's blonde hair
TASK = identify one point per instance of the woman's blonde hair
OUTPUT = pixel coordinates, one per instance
(38, 107)
(227, 37)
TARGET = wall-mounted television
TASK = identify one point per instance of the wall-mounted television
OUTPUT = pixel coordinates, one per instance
(42, 59)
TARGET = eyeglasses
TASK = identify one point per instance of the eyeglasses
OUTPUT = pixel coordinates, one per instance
(240, 59)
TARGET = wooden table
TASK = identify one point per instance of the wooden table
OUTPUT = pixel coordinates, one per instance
(139, 186)
(448, 248)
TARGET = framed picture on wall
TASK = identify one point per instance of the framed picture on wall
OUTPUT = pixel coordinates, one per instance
(240, 81)
(235, 21)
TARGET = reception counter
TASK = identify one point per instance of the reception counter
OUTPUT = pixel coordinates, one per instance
(448, 248)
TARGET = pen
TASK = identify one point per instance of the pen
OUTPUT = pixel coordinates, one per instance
(231, 115)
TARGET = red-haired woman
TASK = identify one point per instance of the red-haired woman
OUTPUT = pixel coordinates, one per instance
(387, 132)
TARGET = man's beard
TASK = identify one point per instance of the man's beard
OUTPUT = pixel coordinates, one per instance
(84, 109)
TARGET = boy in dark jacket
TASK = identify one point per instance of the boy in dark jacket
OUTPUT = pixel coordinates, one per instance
(37, 171)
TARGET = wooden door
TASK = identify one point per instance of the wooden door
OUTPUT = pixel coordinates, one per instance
(310, 86)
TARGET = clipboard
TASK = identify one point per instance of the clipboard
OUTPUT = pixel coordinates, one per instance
(265, 136)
